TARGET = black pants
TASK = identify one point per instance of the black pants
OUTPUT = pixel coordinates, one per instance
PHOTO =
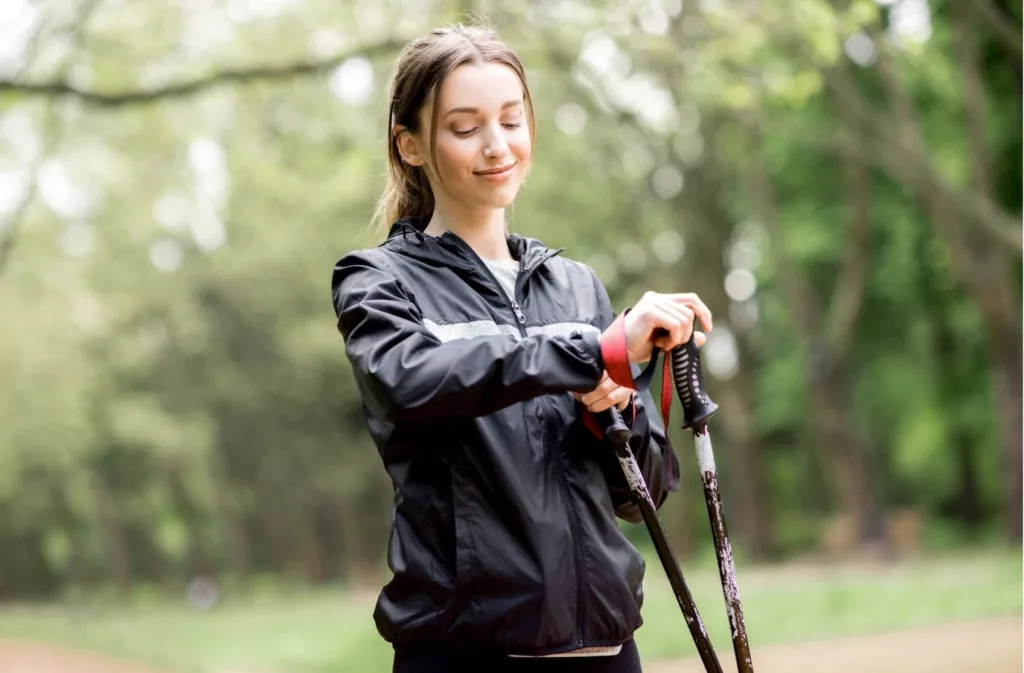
(626, 661)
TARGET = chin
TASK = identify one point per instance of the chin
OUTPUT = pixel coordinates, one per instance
(499, 198)
(505, 195)
(504, 201)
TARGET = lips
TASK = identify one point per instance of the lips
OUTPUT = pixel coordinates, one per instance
(498, 170)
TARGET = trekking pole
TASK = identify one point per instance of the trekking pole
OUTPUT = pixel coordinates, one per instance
(616, 432)
(697, 409)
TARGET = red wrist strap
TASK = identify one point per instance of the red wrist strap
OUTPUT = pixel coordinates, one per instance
(615, 354)
(666, 391)
(590, 421)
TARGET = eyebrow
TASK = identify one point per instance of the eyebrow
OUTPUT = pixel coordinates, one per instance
(473, 110)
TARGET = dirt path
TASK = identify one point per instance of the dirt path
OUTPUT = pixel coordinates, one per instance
(29, 657)
(992, 646)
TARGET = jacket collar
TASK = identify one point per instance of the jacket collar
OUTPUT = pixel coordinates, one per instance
(450, 250)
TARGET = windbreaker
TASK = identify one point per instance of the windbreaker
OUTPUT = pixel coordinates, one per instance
(504, 531)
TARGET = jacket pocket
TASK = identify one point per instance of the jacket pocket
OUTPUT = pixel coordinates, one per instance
(512, 573)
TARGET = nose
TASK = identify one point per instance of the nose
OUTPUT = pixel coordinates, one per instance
(495, 146)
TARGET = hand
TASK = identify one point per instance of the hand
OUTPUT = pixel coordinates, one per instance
(606, 395)
(665, 321)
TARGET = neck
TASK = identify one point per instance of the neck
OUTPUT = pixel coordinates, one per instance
(483, 230)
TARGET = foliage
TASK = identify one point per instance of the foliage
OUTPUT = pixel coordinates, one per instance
(176, 182)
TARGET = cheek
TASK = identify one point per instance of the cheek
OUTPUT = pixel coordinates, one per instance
(454, 156)
(521, 146)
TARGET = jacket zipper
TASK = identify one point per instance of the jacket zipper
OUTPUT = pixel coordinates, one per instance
(517, 310)
(563, 480)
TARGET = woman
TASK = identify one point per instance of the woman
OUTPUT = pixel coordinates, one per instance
(476, 353)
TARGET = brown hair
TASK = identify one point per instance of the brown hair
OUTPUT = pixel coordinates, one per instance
(423, 66)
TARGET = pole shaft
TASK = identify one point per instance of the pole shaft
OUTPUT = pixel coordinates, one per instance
(668, 559)
(723, 550)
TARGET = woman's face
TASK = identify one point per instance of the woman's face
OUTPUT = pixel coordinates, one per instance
(483, 148)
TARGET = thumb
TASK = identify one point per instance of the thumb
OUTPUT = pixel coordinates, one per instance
(700, 338)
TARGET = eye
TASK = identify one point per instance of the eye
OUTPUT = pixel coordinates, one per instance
(462, 133)
(512, 125)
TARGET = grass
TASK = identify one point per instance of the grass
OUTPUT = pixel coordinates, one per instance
(331, 630)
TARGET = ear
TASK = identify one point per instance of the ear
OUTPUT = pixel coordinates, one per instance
(409, 146)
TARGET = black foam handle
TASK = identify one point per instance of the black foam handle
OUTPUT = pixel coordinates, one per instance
(612, 426)
(689, 380)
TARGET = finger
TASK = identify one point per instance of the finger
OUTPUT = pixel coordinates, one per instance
(679, 325)
(601, 403)
(673, 324)
(663, 323)
(605, 387)
(604, 379)
(686, 317)
(700, 338)
(615, 398)
(695, 303)
(684, 323)
(703, 313)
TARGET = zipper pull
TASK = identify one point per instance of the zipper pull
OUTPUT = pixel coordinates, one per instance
(520, 316)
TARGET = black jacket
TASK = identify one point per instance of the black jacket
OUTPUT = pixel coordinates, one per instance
(504, 532)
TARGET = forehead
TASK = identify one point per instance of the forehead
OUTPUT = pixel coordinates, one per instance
(485, 86)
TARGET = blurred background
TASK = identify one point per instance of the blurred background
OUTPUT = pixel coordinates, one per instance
(186, 482)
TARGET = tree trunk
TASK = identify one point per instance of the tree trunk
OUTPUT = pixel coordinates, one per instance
(678, 513)
(973, 95)
(310, 552)
(848, 460)
(73, 527)
(707, 238)
(235, 538)
(1004, 335)
(753, 516)
(985, 270)
(1000, 22)
(967, 499)
(953, 375)
(983, 265)
(117, 550)
(836, 433)
(346, 531)
(195, 562)
(1005, 375)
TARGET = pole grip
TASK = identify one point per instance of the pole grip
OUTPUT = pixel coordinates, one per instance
(612, 426)
(689, 380)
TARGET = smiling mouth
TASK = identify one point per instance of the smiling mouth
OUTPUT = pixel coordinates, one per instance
(497, 171)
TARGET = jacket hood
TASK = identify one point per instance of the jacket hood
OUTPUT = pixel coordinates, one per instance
(406, 237)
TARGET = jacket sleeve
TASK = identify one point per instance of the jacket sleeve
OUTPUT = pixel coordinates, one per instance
(649, 442)
(406, 373)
